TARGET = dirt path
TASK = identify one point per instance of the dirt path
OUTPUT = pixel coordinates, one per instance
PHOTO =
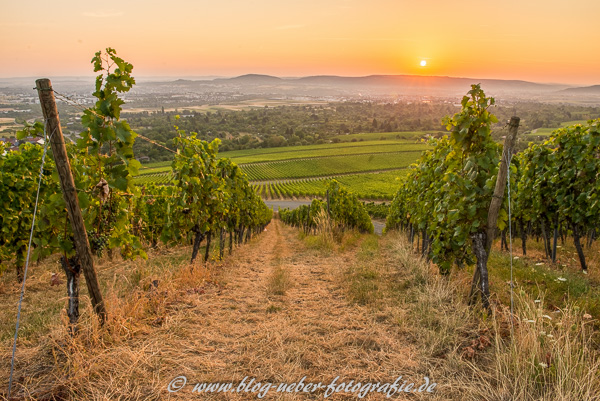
(244, 329)
(276, 311)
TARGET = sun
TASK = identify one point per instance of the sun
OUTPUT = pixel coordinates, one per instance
(423, 63)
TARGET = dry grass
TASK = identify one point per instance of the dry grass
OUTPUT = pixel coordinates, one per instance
(546, 356)
(141, 299)
(550, 356)
(328, 236)
(279, 281)
(279, 310)
(232, 329)
(363, 276)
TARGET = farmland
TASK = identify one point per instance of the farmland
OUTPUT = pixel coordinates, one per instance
(367, 168)
(548, 131)
(237, 105)
(375, 136)
(310, 151)
(8, 125)
(380, 185)
(327, 166)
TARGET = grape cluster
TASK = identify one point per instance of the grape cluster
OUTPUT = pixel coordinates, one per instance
(98, 242)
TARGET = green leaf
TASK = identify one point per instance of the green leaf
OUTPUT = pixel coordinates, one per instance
(84, 200)
(120, 183)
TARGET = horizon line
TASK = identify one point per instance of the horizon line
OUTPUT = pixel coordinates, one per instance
(215, 77)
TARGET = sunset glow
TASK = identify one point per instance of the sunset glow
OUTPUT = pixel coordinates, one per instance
(538, 40)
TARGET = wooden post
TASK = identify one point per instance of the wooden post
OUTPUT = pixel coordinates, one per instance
(480, 279)
(67, 185)
(498, 196)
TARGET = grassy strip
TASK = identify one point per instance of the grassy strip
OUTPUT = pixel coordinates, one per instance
(559, 284)
(547, 353)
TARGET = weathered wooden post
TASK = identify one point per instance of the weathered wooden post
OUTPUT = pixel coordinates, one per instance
(509, 143)
(480, 278)
(67, 185)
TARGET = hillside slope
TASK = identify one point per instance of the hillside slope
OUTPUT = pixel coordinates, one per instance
(285, 307)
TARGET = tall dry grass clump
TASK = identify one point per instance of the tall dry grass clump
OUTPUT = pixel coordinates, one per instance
(437, 316)
(325, 227)
(548, 356)
(118, 360)
(543, 355)
(327, 234)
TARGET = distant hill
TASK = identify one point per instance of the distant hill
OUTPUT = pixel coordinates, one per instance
(338, 87)
(252, 79)
(393, 81)
(428, 82)
(384, 84)
(585, 90)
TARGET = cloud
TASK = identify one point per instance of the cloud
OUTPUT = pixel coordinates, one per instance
(285, 27)
(102, 14)
(354, 39)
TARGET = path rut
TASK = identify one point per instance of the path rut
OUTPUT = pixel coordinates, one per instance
(242, 329)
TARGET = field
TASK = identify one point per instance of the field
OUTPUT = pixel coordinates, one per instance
(8, 124)
(374, 136)
(380, 185)
(368, 168)
(549, 131)
(325, 150)
(237, 106)
(319, 302)
(329, 166)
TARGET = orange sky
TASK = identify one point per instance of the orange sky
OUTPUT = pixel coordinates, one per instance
(536, 40)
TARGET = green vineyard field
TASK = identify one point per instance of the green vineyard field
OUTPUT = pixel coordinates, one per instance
(319, 167)
(303, 171)
(376, 186)
(305, 152)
